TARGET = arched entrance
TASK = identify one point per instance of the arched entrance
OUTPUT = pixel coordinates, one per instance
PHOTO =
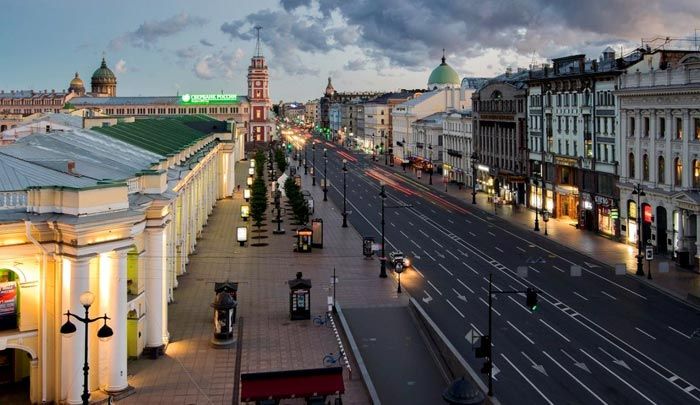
(661, 230)
(15, 372)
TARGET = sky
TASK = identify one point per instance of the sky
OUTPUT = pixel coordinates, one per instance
(164, 47)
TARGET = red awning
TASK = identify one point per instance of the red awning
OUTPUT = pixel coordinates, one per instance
(292, 384)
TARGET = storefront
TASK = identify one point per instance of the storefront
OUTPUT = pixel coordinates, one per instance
(567, 201)
(538, 194)
(604, 210)
(484, 181)
(632, 229)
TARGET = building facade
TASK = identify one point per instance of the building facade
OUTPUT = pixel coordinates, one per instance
(458, 146)
(260, 127)
(659, 118)
(117, 213)
(311, 112)
(500, 134)
(428, 136)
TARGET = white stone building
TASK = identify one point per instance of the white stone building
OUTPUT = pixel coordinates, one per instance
(659, 110)
(458, 146)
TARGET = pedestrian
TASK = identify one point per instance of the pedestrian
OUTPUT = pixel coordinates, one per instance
(238, 187)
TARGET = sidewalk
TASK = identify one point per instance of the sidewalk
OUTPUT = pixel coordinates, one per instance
(678, 282)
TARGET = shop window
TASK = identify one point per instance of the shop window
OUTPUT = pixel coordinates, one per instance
(696, 124)
(661, 171)
(677, 172)
(9, 300)
(645, 167)
(696, 173)
(630, 165)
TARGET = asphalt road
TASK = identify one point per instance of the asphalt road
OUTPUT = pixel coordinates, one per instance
(597, 338)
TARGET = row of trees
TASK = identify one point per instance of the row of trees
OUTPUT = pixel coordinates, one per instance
(281, 160)
(300, 208)
(258, 192)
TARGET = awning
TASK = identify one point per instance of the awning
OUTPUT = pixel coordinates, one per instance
(292, 384)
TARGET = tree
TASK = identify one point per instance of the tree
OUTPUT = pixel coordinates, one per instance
(258, 202)
(281, 160)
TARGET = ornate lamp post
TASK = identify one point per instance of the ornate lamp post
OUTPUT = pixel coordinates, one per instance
(104, 333)
(430, 161)
(474, 158)
(306, 167)
(345, 212)
(639, 192)
(545, 218)
(313, 165)
(536, 180)
(382, 265)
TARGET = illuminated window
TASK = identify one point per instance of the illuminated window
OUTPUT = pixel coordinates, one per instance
(696, 173)
(661, 168)
(677, 172)
(679, 128)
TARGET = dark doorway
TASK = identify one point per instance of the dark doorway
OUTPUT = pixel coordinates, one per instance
(661, 227)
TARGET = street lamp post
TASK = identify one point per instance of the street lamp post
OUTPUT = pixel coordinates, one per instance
(345, 212)
(639, 192)
(382, 265)
(306, 158)
(545, 218)
(430, 161)
(403, 153)
(537, 203)
(399, 270)
(104, 333)
(313, 165)
(325, 177)
(475, 158)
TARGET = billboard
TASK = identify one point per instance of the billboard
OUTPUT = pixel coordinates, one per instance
(208, 99)
(8, 298)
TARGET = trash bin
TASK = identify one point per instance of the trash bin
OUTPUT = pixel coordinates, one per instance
(367, 242)
(299, 298)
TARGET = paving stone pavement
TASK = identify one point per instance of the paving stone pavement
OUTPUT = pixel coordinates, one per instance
(192, 372)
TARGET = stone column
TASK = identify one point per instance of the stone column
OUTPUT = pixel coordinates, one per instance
(681, 232)
(156, 292)
(79, 283)
(113, 303)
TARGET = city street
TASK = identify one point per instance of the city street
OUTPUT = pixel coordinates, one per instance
(596, 338)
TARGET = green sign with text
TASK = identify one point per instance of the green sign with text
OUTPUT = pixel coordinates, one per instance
(206, 99)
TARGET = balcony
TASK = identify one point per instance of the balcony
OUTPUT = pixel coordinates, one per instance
(13, 200)
(453, 152)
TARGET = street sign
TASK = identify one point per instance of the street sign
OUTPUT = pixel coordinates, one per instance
(472, 336)
(649, 253)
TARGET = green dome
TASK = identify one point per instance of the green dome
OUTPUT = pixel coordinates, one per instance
(103, 73)
(443, 74)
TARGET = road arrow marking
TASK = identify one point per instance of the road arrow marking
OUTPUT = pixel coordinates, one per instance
(619, 362)
(574, 377)
(452, 254)
(495, 371)
(578, 364)
(536, 366)
(460, 296)
(440, 254)
(463, 254)
(428, 298)
(591, 265)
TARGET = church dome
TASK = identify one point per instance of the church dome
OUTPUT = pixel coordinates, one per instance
(443, 76)
(76, 85)
(104, 74)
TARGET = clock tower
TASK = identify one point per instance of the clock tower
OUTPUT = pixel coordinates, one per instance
(259, 127)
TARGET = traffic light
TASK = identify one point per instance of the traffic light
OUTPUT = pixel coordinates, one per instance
(484, 349)
(531, 298)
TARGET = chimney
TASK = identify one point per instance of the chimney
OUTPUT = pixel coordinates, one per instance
(71, 167)
(509, 71)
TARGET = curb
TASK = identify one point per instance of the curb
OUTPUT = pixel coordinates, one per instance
(358, 357)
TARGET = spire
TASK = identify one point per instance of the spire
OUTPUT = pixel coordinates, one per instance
(258, 49)
(443, 56)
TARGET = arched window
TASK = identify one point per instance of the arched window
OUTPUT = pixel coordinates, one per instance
(696, 173)
(661, 171)
(645, 167)
(677, 171)
(630, 165)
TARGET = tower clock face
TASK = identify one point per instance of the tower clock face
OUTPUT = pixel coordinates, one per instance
(258, 83)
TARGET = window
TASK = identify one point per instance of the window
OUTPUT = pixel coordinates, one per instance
(679, 128)
(646, 127)
(696, 173)
(630, 165)
(677, 172)
(661, 171)
(631, 128)
(606, 153)
(662, 128)
(696, 124)
(645, 167)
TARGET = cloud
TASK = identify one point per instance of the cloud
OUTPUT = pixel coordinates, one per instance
(290, 5)
(219, 65)
(148, 33)
(205, 42)
(188, 53)
(356, 64)
(120, 66)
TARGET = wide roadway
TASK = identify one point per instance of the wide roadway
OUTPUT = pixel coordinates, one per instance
(597, 338)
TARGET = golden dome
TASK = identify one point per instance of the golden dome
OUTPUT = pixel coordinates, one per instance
(77, 81)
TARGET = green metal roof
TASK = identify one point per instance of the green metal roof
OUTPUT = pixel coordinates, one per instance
(103, 72)
(161, 136)
(443, 74)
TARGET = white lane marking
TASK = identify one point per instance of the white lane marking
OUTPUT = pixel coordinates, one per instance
(487, 304)
(450, 221)
(521, 332)
(392, 224)
(581, 296)
(465, 286)
(526, 379)
(462, 253)
(438, 243)
(402, 233)
(499, 249)
(417, 245)
(369, 204)
(478, 331)
(603, 292)
(452, 254)
(445, 268)
(679, 332)
(555, 331)
(428, 254)
(574, 377)
(538, 367)
(455, 308)
(435, 288)
(617, 376)
(484, 289)
(467, 221)
(520, 249)
(519, 304)
(491, 233)
(470, 268)
(534, 269)
(418, 271)
(557, 268)
(396, 213)
(410, 223)
(439, 254)
(646, 333)
(423, 233)
(472, 233)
